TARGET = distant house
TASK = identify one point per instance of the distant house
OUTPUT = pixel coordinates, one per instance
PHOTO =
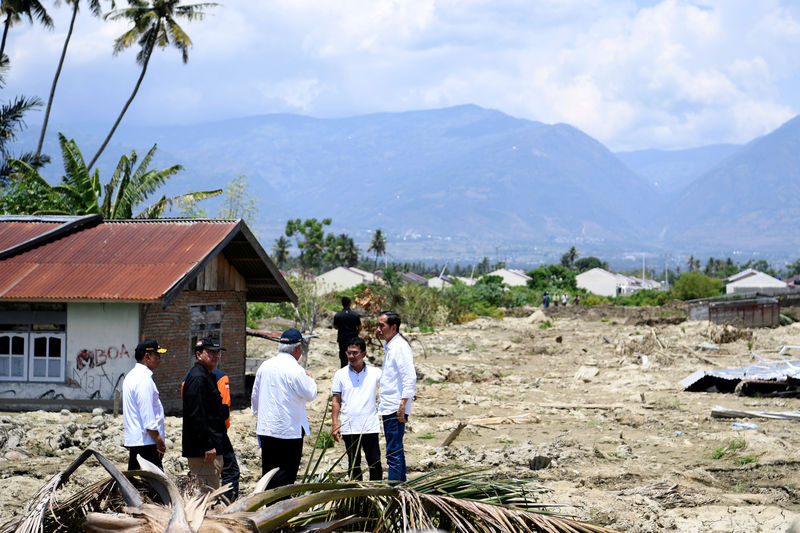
(511, 277)
(343, 278)
(750, 280)
(416, 279)
(604, 283)
(439, 282)
(466, 281)
(78, 293)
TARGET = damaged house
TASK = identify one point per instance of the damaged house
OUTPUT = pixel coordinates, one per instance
(78, 293)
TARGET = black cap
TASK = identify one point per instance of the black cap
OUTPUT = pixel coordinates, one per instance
(149, 345)
(292, 336)
(207, 343)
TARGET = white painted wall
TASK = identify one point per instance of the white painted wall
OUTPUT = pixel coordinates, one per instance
(756, 281)
(598, 281)
(341, 278)
(101, 339)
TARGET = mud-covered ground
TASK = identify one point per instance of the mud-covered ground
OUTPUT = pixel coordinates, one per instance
(600, 420)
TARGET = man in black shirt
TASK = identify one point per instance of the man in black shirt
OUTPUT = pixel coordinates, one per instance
(205, 437)
(348, 323)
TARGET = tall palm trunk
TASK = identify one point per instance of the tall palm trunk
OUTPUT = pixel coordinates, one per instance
(6, 26)
(55, 79)
(150, 48)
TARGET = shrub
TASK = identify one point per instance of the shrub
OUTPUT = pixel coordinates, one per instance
(692, 285)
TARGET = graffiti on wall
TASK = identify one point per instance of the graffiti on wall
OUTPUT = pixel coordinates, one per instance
(99, 356)
(92, 374)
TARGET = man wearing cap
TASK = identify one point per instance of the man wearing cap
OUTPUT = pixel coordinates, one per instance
(280, 393)
(348, 324)
(230, 466)
(205, 437)
(142, 412)
(397, 385)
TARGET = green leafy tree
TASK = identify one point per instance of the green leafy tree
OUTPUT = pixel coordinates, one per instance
(280, 251)
(793, 269)
(309, 236)
(237, 203)
(692, 263)
(94, 7)
(717, 268)
(377, 245)
(154, 25)
(484, 266)
(587, 263)
(490, 289)
(568, 259)
(761, 265)
(80, 191)
(340, 250)
(14, 10)
(552, 277)
(693, 285)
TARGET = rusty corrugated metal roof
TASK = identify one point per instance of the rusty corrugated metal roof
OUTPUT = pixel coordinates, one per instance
(137, 261)
(13, 233)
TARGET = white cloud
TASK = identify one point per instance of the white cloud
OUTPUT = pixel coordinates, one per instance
(672, 74)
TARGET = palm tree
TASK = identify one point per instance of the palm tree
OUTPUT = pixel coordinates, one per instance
(377, 245)
(154, 25)
(280, 252)
(80, 190)
(15, 9)
(11, 122)
(94, 6)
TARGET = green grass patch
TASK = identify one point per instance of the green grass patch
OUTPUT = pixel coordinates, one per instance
(324, 441)
(427, 436)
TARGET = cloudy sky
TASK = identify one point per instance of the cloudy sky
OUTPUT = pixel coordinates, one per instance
(633, 74)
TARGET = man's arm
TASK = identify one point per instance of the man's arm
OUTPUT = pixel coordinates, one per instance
(161, 446)
(408, 380)
(336, 407)
(254, 395)
(144, 403)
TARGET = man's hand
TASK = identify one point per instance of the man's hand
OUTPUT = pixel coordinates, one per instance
(211, 455)
(161, 446)
(401, 411)
(309, 374)
(337, 434)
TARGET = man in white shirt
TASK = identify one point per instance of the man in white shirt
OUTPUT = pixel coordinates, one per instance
(398, 381)
(280, 392)
(142, 412)
(353, 389)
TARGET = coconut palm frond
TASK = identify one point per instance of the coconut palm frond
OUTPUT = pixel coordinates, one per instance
(446, 499)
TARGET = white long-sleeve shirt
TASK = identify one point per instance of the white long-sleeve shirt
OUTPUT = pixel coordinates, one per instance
(280, 393)
(141, 407)
(399, 379)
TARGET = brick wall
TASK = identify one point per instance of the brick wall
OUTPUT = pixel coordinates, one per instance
(170, 327)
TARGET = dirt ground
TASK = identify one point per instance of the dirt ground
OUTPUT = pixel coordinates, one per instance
(601, 421)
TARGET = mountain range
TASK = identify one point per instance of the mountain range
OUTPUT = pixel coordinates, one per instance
(464, 182)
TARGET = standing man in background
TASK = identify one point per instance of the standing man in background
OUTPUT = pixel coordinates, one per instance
(398, 382)
(348, 324)
(142, 412)
(280, 392)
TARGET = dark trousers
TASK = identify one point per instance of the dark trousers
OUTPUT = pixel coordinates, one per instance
(230, 474)
(343, 354)
(283, 454)
(393, 430)
(372, 452)
(149, 452)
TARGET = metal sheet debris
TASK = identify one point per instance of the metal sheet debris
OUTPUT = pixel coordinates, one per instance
(722, 412)
(781, 378)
